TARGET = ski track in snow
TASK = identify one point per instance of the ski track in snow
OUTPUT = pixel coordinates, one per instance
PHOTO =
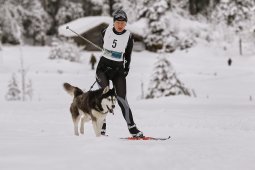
(214, 131)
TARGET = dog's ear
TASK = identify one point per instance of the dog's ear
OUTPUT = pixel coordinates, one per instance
(106, 89)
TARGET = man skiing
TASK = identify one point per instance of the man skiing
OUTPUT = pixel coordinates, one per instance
(114, 65)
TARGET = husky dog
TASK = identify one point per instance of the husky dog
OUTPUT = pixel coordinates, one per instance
(91, 105)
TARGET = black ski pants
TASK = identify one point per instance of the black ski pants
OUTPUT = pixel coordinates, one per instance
(107, 72)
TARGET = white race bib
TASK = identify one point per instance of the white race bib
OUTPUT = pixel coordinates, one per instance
(115, 45)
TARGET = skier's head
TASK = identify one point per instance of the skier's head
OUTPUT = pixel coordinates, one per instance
(119, 15)
(119, 20)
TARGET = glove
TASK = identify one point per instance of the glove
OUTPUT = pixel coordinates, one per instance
(126, 70)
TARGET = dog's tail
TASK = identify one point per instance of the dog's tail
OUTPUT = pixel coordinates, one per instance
(73, 91)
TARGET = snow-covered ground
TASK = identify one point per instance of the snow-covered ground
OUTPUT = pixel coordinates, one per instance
(214, 131)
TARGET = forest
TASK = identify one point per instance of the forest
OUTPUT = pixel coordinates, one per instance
(35, 22)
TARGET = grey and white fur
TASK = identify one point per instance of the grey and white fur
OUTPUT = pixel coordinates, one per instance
(90, 105)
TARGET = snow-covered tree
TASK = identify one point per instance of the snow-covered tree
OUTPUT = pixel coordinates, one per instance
(67, 50)
(113, 5)
(14, 92)
(9, 21)
(236, 20)
(118, 4)
(29, 90)
(105, 9)
(165, 32)
(52, 7)
(131, 7)
(26, 14)
(68, 12)
(236, 13)
(164, 81)
(162, 34)
(154, 10)
(36, 22)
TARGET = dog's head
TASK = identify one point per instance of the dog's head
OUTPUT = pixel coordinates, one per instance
(108, 99)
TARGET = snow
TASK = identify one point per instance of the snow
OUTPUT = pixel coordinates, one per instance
(84, 24)
(215, 130)
(138, 27)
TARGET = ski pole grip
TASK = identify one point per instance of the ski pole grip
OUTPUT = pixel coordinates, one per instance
(67, 27)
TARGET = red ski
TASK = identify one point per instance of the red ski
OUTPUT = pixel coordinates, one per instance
(145, 138)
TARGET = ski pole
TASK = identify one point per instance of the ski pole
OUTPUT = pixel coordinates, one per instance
(68, 28)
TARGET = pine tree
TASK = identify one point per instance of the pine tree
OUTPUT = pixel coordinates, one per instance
(52, 7)
(160, 36)
(35, 21)
(164, 81)
(68, 12)
(9, 21)
(26, 14)
(118, 4)
(235, 13)
(29, 90)
(91, 7)
(105, 9)
(154, 11)
(109, 6)
(131, 7)
(14, 92)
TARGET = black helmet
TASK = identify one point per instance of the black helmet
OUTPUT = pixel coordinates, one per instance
(119, 15)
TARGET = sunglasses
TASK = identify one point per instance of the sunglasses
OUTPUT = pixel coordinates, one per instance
(120, 15)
